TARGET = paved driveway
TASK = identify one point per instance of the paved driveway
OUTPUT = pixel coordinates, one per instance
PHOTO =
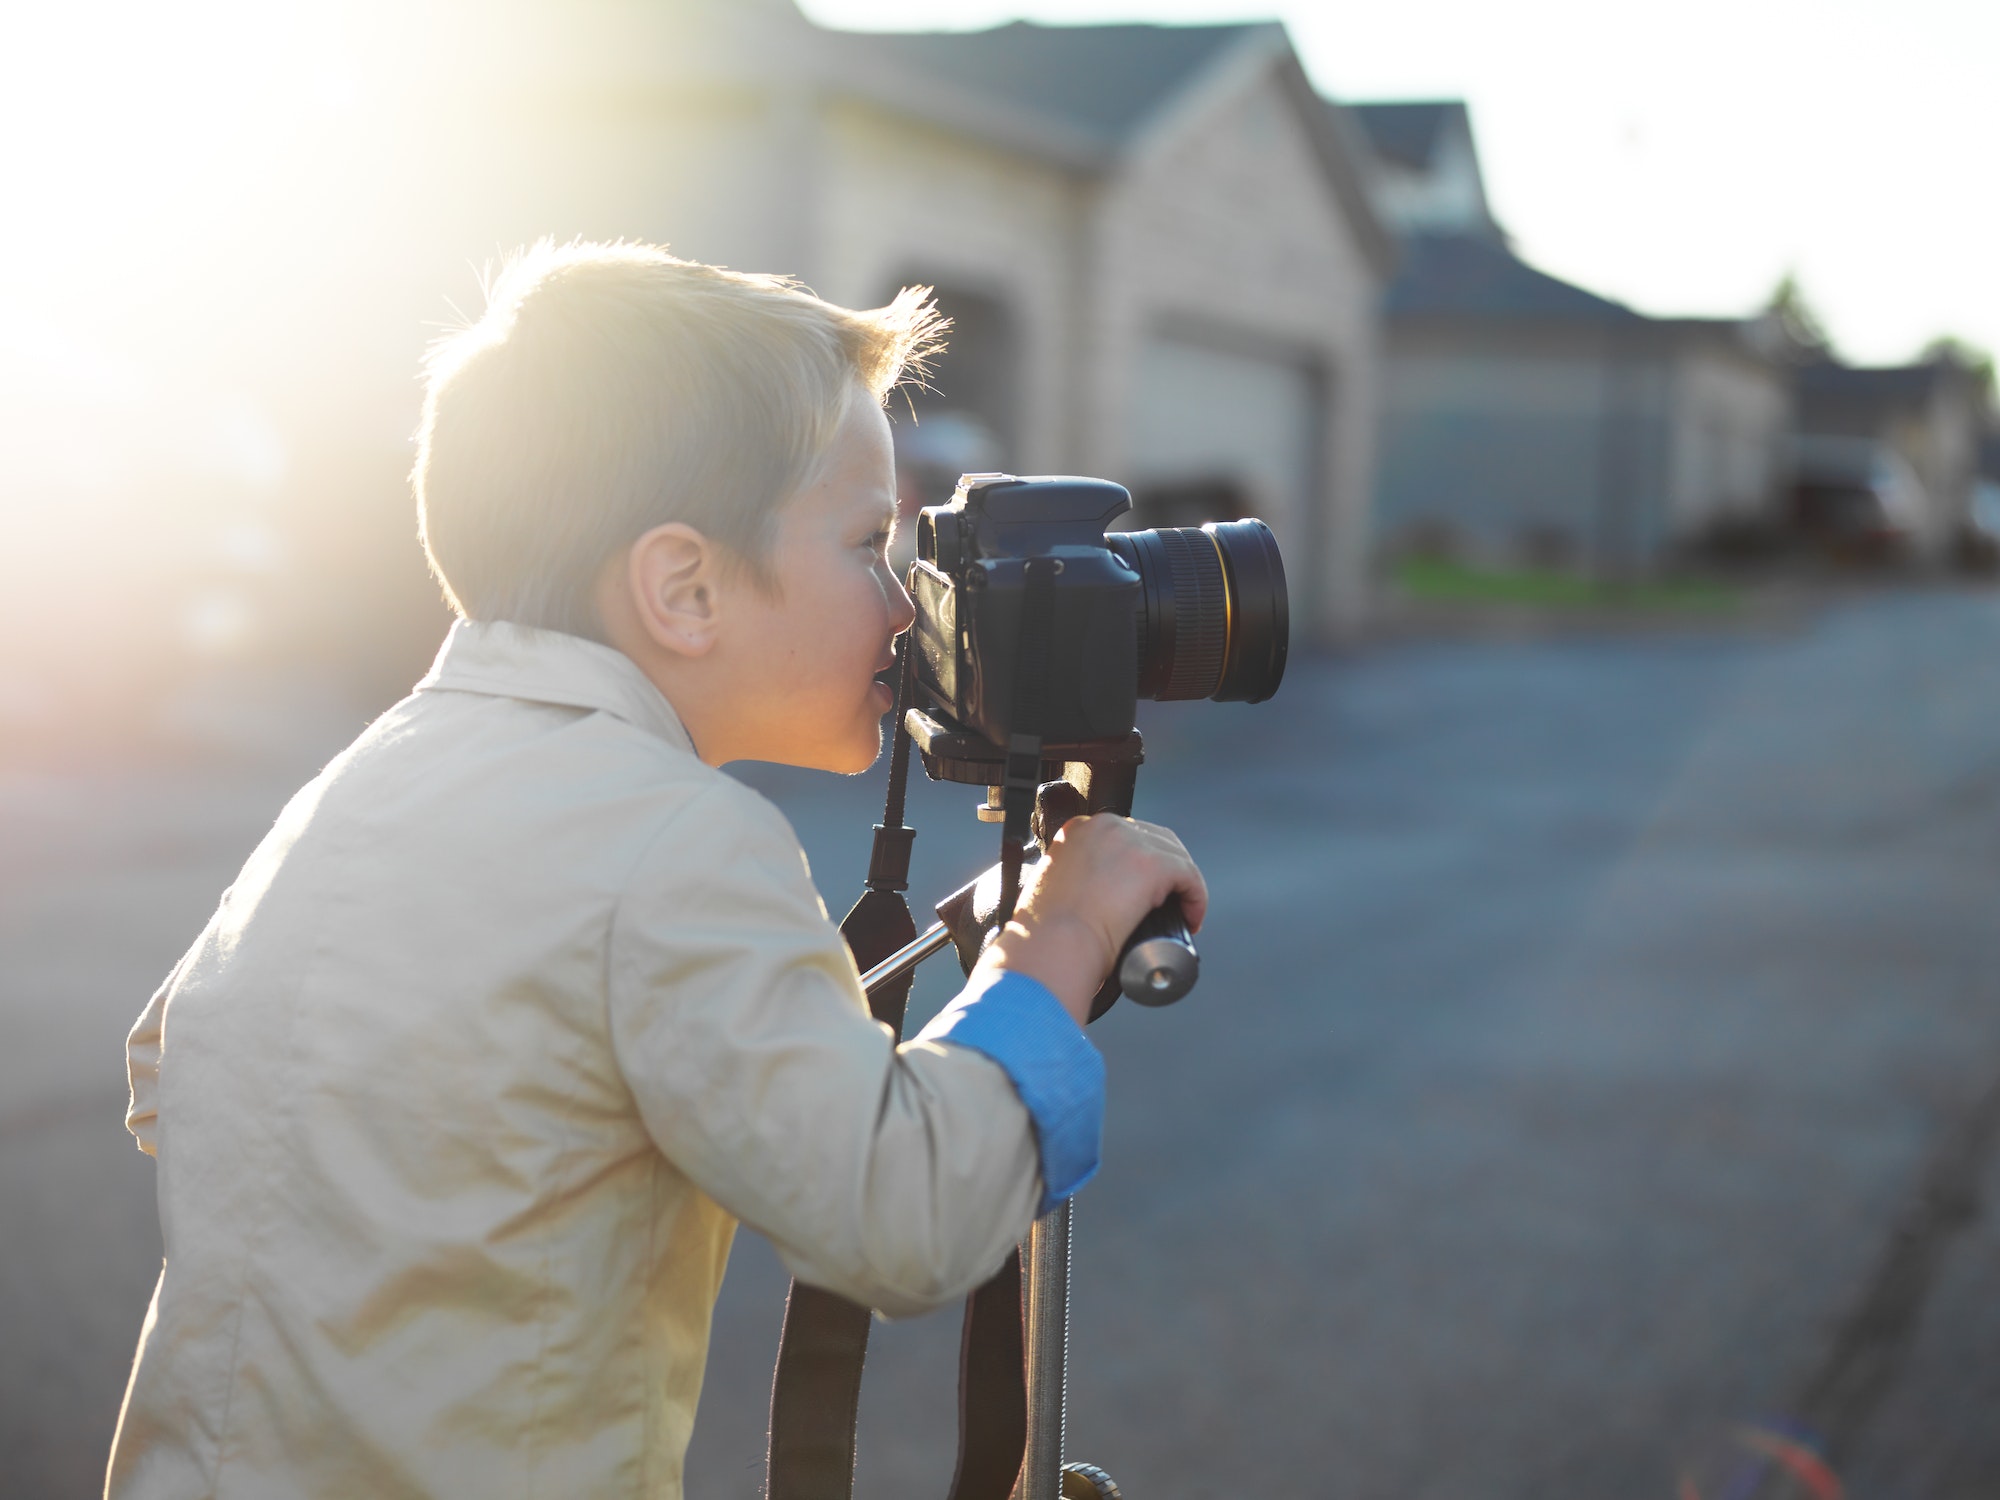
(1581, 1023)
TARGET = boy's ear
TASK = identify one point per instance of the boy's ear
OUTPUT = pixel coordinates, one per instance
(670, 575)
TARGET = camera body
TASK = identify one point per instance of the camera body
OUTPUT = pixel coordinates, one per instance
(1180, 612)
(970, 587)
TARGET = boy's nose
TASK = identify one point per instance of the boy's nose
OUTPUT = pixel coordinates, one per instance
(902, 608)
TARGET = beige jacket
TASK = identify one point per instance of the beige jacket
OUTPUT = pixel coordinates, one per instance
(459, 1097)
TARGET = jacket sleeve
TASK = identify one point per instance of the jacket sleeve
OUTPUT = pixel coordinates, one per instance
(898, 1177)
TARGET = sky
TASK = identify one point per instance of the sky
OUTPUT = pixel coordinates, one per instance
(1684, 157)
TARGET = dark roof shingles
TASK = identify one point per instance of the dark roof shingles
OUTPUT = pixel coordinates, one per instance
(1468, 276)
(1101, 79)
(1407, 133)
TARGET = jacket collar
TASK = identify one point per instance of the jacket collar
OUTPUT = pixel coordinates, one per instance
(506, 660)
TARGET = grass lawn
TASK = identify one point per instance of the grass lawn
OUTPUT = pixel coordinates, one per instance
(1442, 581)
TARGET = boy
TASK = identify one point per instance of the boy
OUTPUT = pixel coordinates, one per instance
(522, 1004)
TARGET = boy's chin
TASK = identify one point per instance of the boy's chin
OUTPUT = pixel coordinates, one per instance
(867, 749)
(850, 758)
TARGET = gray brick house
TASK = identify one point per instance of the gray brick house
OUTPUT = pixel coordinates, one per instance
(1525, 417)
(1931, 415)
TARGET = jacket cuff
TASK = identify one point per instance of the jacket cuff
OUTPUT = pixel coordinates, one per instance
(1055, 1068)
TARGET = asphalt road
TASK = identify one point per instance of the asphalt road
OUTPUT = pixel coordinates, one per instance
(1595, 1053)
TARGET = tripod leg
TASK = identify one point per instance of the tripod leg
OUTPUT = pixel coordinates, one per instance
(1048, 1353)
(1105, 788)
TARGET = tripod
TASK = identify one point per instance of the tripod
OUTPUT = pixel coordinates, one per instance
(1013, 1368)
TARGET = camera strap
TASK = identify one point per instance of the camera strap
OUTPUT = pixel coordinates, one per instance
(816, 1388)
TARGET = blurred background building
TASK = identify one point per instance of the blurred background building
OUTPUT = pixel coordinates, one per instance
(1926, 421)
(1529, 420)
(1158, 247)
(1167, 259)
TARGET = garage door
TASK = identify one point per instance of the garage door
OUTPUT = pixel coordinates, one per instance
(1213, 422)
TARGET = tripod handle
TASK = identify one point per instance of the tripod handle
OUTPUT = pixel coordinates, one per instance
(1159, 964)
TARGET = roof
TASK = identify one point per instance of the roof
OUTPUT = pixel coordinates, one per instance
(1407, 133)
(1881, 387)
(1082, 95)
(1105, 81)
(1470, 276)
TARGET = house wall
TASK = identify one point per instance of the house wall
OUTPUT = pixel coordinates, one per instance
(1611, 444)
(1945, 450)
(1510, 440)
(1205, 413)
(711, 172)
(1223, 235)
(901, 201)
(1731, 420)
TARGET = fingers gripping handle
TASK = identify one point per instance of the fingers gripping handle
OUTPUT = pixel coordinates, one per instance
(1158, 964)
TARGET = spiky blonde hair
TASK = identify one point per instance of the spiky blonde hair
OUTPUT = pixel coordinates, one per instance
(609, 388)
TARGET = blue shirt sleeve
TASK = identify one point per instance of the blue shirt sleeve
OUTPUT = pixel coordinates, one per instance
(1055, 1068)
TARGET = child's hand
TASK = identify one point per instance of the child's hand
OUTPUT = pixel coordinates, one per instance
(1101, 876)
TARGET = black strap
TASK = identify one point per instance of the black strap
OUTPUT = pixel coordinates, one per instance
(816, 1396)
(816, 1388)
(816, 1391)
(992, 1390)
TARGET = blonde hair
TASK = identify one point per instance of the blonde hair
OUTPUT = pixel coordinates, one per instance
(610, 388)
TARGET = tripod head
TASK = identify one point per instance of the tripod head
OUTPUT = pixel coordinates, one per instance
(1158, 964)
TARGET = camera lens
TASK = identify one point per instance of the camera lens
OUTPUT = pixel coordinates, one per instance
(1215, 621)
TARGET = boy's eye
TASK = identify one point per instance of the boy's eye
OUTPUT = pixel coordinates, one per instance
(879, 542)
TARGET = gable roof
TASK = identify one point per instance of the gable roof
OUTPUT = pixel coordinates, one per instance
(1469, 276)
(1877, 387)
(1104, 81)
(1081, 95)
(1408, 132)
(1848, 398)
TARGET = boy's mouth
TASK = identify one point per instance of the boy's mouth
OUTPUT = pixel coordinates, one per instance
(883, 689)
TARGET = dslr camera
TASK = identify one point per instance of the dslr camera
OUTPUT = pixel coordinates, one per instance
(1173, 613)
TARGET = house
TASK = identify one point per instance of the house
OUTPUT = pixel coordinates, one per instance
(1427, 177)
(1527, 418)
(1158, 246)
(1930, 416)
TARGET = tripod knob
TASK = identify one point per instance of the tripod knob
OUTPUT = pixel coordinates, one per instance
(1159, 964)
(1088, 1482)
